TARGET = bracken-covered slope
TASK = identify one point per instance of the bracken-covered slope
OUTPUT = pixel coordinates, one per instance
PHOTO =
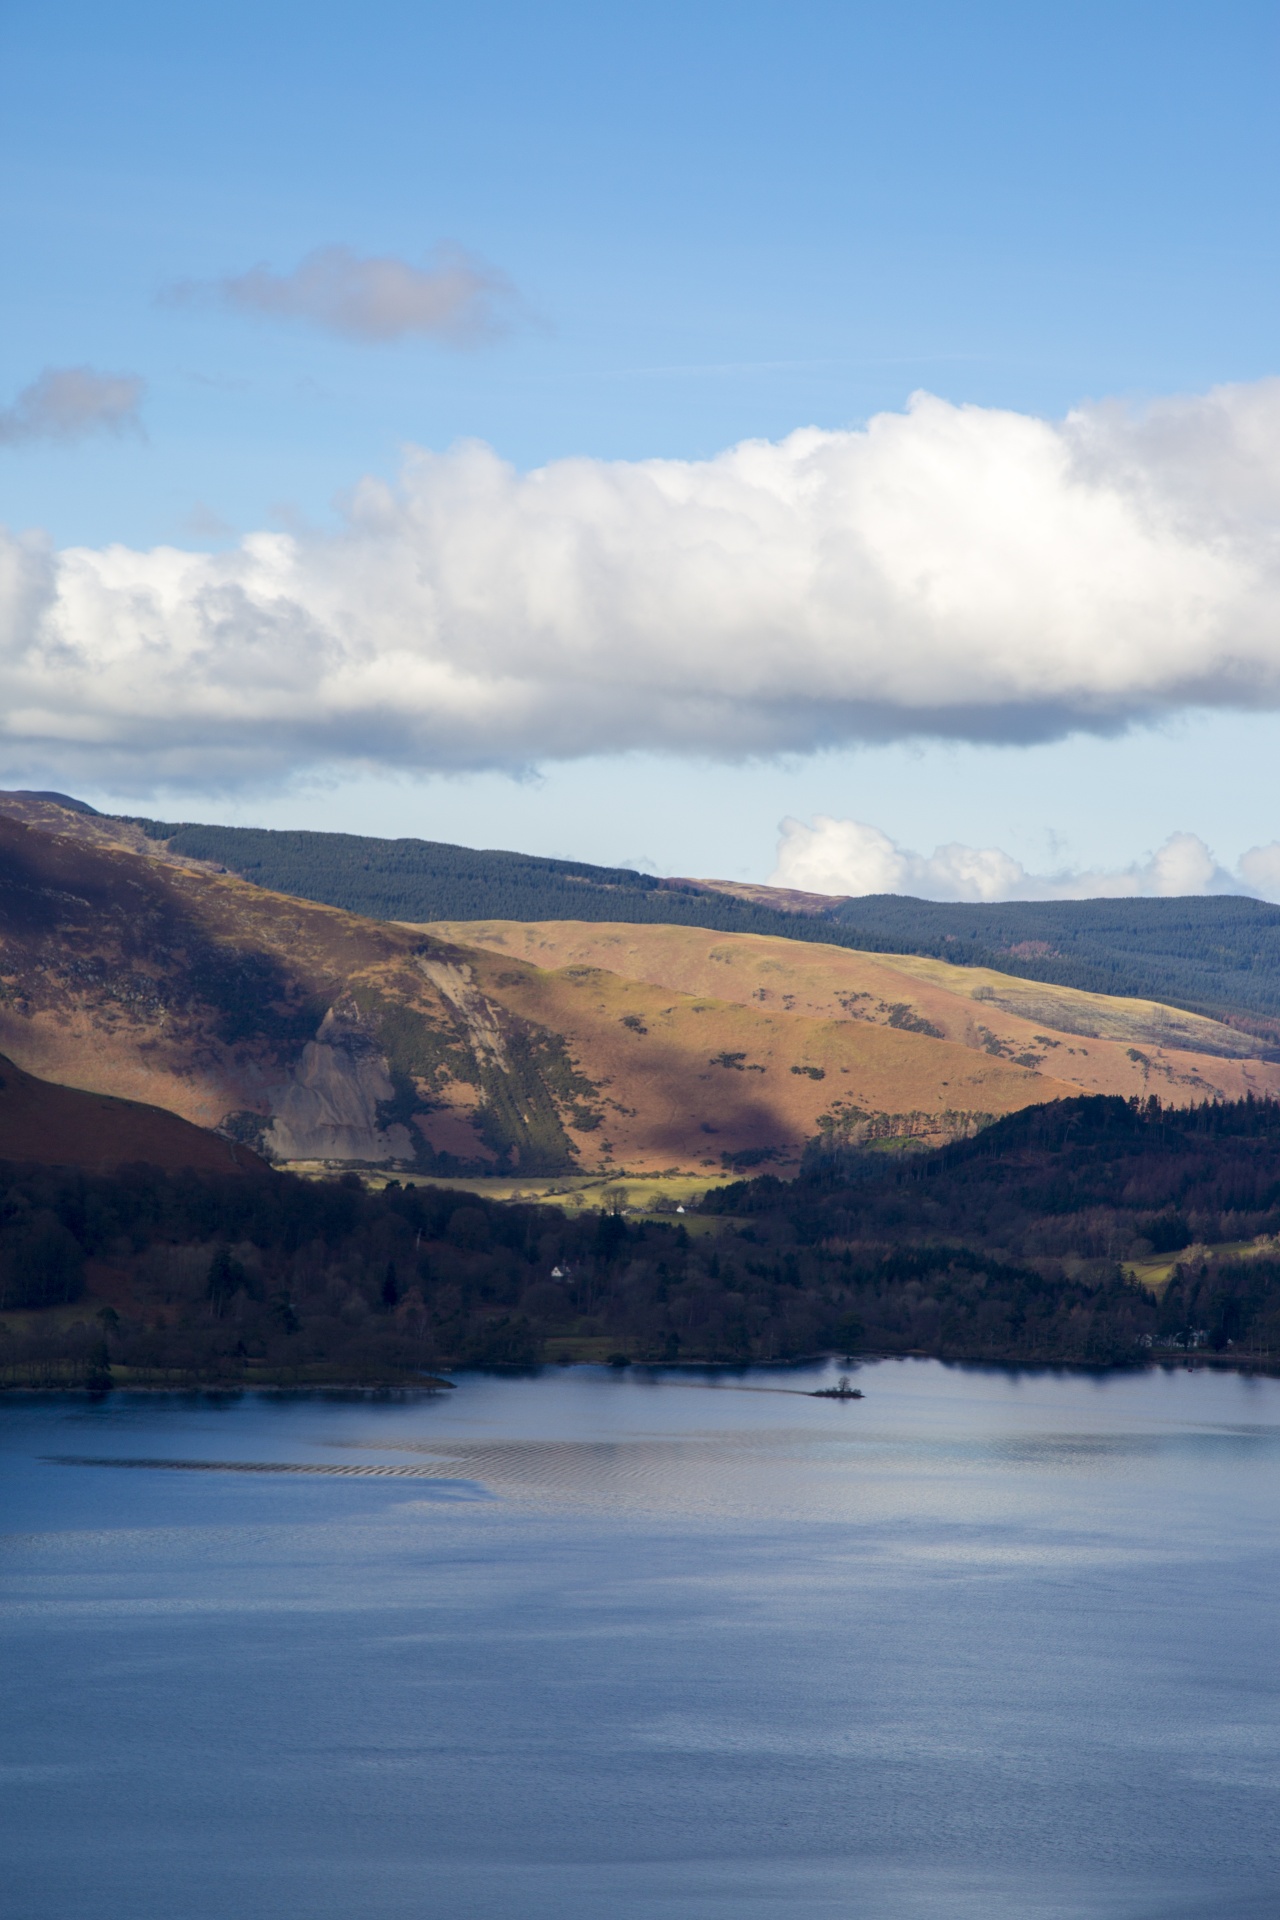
(313, 1034)
(57, 1126)
(1217, 956)
(1097, 1043)
(300, 1029)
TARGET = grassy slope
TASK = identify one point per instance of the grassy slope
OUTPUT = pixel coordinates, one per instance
(1095, 1043)
(1219, 956)
(690, 1080)
(127, 972)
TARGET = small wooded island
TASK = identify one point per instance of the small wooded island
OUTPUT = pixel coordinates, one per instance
(843, 1390)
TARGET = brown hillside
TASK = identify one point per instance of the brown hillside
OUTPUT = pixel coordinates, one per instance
(296, 1027)
(1097, 1043)
(686, 1080)
(315, 1034)
(58, 1126)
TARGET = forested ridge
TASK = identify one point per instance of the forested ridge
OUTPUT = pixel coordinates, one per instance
(1219, 956)
(1012, 1246)
(422, 880)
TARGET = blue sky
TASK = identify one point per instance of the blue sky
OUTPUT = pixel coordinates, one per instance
(720, 223)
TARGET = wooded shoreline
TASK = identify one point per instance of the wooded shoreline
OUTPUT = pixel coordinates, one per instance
(1006, 1249)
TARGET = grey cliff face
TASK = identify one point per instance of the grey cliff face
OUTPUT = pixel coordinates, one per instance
(329, 1108)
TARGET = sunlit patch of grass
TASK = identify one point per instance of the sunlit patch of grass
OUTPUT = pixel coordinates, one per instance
(1156, 1271)
(642, 1193)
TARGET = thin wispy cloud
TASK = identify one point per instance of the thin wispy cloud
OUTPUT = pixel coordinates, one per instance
(948, 572)
(851, 857)
(452, 296)
(71, 403)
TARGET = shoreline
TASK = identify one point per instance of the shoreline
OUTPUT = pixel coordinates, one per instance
(431, 1387)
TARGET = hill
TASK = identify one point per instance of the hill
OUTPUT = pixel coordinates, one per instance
(1094, 1042)
(1218, 956)
(1026, 1241)
(312, 1034)
(1008, 1247)
(59, 1126)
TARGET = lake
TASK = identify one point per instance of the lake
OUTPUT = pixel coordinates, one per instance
(985, 1643)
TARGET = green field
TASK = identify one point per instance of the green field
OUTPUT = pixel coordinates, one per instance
(642, 1193)
(1155, 1272)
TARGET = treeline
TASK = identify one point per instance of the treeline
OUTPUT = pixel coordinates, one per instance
(422, 880)
(1064, 1195)
(1012, 1246)
(276, 1278)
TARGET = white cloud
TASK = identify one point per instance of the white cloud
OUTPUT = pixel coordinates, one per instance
(849, 857)
(68, 403)
(951, 572)
(454, 296)
(1260, 870)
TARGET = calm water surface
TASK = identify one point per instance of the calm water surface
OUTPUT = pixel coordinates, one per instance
(981, 1644)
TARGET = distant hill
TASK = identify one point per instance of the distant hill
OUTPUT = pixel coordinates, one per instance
(419, 880)
(1218, 956)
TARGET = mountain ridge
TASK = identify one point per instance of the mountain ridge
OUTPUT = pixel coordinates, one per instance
(1216, 955)
(133, 966)
(313, 1034)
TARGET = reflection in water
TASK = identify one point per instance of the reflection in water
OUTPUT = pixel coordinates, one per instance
(982, 1644)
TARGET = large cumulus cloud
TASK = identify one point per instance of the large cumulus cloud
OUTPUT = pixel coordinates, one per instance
(950, 571)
